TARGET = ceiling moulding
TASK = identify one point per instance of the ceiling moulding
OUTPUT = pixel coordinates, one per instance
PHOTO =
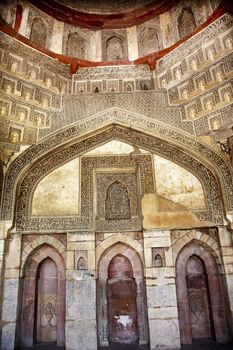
(100, 21)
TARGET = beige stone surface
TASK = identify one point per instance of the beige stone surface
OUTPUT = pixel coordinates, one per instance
(58, 192)
(57, 36)
(153, 217)
(8, 336)
(112, 147)
(132, 43)
(177, 184)
(90, 245)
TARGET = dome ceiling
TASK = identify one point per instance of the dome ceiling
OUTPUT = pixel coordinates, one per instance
(105, 6)
(101, 14)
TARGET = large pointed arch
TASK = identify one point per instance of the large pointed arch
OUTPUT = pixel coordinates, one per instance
(208, 165)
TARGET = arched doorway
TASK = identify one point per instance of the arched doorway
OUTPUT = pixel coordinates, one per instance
(199, 294)
(121, 301)
(121, 297)
(198, 299)
(46, 305)
(43, 299)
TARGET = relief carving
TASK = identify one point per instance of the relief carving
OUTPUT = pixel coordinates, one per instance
(186, 22)
(38, 32)
(76, 46)
(117, 203)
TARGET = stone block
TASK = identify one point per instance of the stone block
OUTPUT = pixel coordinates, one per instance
(81, 334)
(227, 251)
(91, 260)
(9, 313)
(225, 237)
(228, 259)
(228, 269)
(1, 245)
(156, 272)
(148, 257)
(161, 296)
(70, 260)
(89, 245)
(13, 255)
(164, 334)
(11, 273)
(81, 299)
(78, 237)
(157, 242)
(169, 257)
(8, 336)
(156, 233)
(163, 312)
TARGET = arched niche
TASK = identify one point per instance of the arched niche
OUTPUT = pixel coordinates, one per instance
(198, 282)
(121, 301)
(76, 46)
(114, 49)
(38, 33)
(117, 203)
(186, 22)
(43, 298)
(148, 41)
(121, 267)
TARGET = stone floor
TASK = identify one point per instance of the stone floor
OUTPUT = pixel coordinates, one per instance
(195, 346)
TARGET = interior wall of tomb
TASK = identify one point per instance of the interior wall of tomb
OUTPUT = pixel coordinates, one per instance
(115, 178)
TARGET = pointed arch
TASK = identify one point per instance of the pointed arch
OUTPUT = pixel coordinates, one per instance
(186, 22)
(38, 33)
(114, 49)
(128, 253)
(149, 41)
(215, 290)
(40, 241)
(118, 238)
(76, 46)
(29, 287)
(206, 164)
(117, 202)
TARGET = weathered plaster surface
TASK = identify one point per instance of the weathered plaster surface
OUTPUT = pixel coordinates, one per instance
(58, 192)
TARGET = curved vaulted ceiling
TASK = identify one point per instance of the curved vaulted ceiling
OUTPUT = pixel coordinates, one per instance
(104, 14)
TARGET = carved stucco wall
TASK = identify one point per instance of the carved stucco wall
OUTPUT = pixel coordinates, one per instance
(45, 165)
(148, 105)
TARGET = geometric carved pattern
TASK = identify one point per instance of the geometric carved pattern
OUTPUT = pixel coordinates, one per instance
(118, 197)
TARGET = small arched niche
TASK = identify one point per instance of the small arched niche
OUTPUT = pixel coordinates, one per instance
(114, 49)
(149, 41)
(117, 203)
(42, 318)
(38, 32)
(186, 22)
(76, 46)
